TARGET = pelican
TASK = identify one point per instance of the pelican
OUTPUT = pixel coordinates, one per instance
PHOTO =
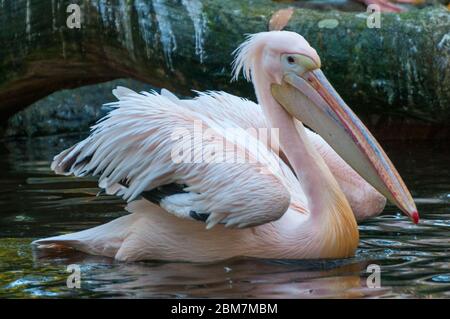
(287, 204)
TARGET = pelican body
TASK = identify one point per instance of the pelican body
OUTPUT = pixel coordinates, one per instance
(297, 198)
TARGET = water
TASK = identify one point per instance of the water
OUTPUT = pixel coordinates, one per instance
(414, 260)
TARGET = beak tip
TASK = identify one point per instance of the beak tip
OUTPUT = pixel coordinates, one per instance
(415, 217)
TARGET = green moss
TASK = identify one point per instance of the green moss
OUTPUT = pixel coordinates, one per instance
(401, 68)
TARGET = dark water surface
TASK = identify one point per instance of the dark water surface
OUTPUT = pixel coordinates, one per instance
(34, 203)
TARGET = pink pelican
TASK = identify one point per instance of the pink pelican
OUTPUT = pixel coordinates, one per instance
(299, 207)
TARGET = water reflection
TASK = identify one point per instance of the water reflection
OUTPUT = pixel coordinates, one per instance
(415, 260)
(238, 278)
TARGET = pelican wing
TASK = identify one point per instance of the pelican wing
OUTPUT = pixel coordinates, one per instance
(147, 147)
(365, 200)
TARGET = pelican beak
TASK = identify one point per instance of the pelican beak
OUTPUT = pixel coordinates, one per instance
(309, 97)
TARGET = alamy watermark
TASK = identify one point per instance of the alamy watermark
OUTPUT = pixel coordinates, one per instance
(373, 19)
(374, 279)
(74, 279)
(73, 21)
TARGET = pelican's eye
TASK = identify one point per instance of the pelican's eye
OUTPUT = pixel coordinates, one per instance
(298, 63)
(291, 59)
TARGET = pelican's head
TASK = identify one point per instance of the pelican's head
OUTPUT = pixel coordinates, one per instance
(284, 65)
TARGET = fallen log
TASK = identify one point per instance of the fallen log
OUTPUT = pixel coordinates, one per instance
(398, 71)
